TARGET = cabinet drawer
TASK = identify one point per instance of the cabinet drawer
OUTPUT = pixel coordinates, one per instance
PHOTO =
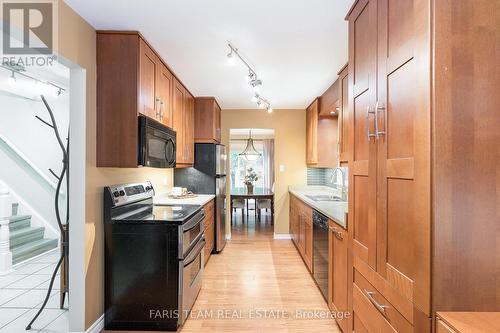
(373, 311)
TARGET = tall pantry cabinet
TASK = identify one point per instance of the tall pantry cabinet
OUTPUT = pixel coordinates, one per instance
(401, 215)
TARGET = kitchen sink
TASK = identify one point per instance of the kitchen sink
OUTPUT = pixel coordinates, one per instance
(324, 197)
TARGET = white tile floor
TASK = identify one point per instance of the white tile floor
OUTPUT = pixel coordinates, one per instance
(22, 293)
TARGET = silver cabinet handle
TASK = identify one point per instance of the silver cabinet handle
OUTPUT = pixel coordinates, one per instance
(378, 108)
(161, 110)
(157, 99)
(367, 124)
(379, 307)
(336, 233)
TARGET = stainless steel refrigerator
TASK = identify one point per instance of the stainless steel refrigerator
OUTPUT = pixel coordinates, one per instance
(208, 176)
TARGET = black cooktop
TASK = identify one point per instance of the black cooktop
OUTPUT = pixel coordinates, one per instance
(162, 213)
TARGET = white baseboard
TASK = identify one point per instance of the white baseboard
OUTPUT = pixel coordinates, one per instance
(97, 326)
(282, 236)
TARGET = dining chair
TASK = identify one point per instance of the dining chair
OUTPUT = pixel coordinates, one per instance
(261, 204)
(238, 204)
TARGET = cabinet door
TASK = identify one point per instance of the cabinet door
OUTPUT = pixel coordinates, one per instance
(302, 233)
(189, 128)
(403, 211)
(312, 134)
(338, 268)
(362, 88)
(344, 116)
(308, 245)
(179, 101)
(164, 86)
(217, 125)
(148, 100)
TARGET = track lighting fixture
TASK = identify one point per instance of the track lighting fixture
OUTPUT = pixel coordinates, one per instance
(41, 87)
(252, 78)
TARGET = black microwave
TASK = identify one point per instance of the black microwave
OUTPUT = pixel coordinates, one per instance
(156, 144)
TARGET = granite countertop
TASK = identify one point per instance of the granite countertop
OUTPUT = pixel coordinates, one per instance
(200, 199)
(335, 210)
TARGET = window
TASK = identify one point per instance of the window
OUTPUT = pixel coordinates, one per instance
(239, 165)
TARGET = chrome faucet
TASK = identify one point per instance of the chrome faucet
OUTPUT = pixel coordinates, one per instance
(333, 180)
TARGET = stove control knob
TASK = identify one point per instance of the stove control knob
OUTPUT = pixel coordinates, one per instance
(116, 194)
(122, 193)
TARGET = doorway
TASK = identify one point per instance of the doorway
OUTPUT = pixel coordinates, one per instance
(252, 179)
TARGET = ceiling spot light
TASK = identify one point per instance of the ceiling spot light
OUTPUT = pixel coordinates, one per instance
(256, 84)
(269, 109)
(255, 98)
(12, 79)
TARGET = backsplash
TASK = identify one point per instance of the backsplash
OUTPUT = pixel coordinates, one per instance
(323, 177)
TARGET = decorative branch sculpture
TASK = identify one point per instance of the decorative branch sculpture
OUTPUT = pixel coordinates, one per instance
(62, 227)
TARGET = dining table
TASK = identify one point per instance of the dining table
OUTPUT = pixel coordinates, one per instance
(255, 194)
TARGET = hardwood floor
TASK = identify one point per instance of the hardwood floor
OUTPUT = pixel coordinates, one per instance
(255, 274)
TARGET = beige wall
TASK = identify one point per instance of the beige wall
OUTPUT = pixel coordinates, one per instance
(290, 148)
(77, 44)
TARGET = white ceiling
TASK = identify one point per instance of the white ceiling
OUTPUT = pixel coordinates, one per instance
(296, 46)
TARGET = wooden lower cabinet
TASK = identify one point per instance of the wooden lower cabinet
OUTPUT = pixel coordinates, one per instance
(302, 230)
(442, 327)
(338, 256)
(209, 226)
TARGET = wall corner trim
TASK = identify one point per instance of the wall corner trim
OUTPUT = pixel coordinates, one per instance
(282, 236)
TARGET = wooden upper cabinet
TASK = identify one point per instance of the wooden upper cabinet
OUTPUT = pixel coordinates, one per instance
(155, 87)
(165, 84)
(148, 74)
(312, 133)
(178, 118)
(131, 80)
(183, 124)
(329, 103)
(189, 128)
(207, 114)
(343, 115)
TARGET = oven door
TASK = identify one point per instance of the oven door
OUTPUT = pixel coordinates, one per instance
(157, 144)
(190, 233)
(190, 279)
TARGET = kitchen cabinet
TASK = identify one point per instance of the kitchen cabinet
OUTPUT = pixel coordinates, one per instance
(329, 102)
(131, 80)
(322, 130)
(207, 126)
(209, 229)
(403, 169)
(312, 133)
(338, 271)
(343, 115)
(183, 124)
(302, 230)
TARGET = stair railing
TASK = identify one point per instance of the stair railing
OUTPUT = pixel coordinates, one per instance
(5, 212)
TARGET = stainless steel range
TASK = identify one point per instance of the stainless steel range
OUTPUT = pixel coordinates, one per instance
(153, 261)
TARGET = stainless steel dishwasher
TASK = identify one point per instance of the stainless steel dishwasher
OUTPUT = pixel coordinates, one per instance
(320, 252)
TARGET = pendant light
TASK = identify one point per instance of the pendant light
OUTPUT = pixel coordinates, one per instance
(250, 153)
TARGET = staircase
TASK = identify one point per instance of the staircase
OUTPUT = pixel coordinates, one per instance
(26, 241)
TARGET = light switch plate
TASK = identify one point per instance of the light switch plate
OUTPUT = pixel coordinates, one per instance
(282, 168)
